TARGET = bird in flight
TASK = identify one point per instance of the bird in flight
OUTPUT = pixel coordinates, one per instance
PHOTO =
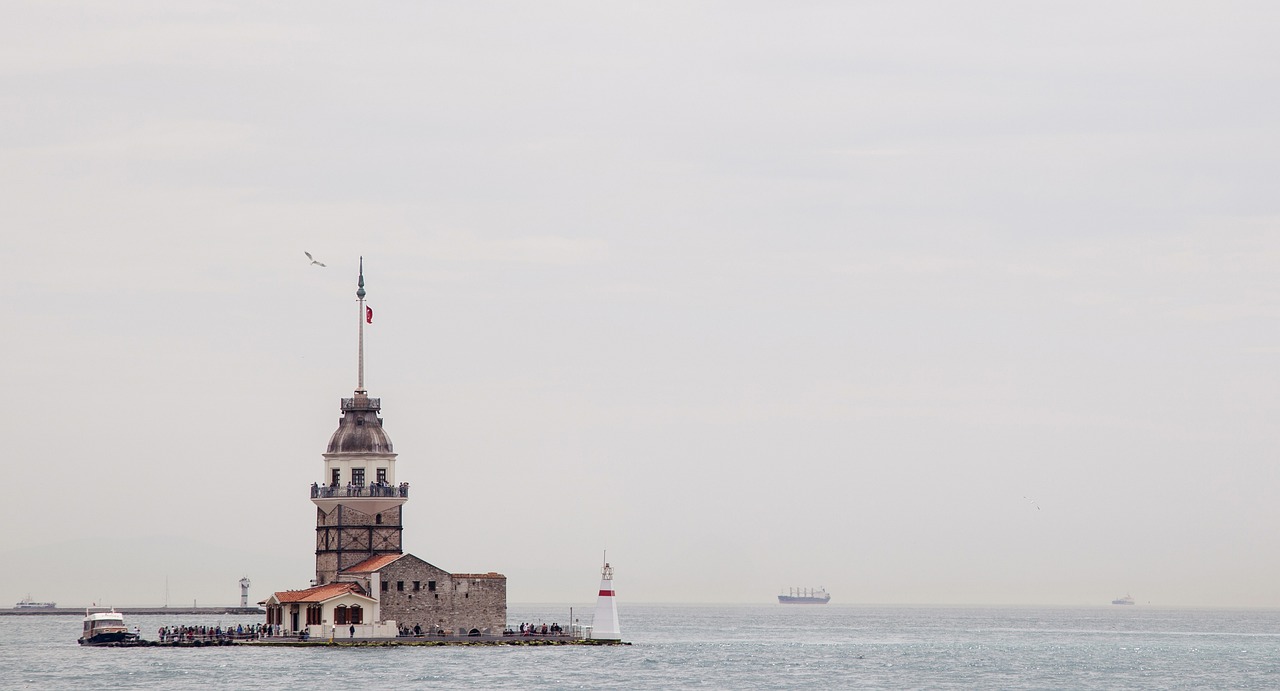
(1033, 502)
(313, 260)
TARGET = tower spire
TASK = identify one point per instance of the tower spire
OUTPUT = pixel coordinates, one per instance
(360, 390)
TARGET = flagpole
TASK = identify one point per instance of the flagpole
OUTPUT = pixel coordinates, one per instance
(360, 294)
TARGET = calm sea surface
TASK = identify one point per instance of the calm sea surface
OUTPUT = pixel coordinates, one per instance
(715, 647)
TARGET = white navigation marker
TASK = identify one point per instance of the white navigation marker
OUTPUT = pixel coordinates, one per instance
(605, 625)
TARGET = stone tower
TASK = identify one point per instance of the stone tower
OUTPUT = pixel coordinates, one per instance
(359, 504)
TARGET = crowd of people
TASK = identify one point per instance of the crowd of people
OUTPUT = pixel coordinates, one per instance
(188, 634)
(209, 634)
(373, 489)
(417, 630)
(535, 630)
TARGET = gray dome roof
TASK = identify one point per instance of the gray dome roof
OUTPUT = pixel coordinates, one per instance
(360, 429)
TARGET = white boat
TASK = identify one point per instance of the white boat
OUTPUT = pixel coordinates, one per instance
(28, 603)
(106, 628)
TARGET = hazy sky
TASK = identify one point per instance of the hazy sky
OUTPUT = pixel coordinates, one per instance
(924, 302)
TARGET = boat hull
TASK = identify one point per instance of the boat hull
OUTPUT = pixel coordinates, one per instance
(110, 638)
(795, 600)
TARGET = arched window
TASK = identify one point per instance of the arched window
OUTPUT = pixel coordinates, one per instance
(357, 615)
(340, 614)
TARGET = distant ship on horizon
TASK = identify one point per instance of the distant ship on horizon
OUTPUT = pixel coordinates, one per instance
(1126, 600)
(805, 596)
(28, 603)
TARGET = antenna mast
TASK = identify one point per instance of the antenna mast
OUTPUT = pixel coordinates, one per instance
(360, 294)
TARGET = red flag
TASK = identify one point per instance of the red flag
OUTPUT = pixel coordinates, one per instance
(368, 314)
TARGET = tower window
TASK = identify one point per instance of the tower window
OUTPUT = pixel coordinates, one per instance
(382, 476)
(337, 477)
(415, 586)
(400, 586)
(384, 586)
(431, 586)
(357, 477)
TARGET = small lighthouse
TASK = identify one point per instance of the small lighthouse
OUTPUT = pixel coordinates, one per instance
(605, 624)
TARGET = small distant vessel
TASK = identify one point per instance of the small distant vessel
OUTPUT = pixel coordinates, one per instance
(1126, 600)
(102, 628)
(805, 596)
(28, 603)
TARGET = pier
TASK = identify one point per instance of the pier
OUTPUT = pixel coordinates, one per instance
(205, 638)
(364, 642)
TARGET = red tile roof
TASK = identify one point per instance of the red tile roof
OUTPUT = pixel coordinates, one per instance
(491, 574)
(319, 593)
(372, 563)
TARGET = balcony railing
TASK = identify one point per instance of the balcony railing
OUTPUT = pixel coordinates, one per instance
(363, 404)
(333, 492)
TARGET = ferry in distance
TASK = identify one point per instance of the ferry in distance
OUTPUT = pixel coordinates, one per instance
(1126, 600)
(28, 603)
(805, 596)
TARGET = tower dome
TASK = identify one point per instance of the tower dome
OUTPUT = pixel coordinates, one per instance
(360, 429)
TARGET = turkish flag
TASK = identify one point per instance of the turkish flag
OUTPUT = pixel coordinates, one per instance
(368, 314)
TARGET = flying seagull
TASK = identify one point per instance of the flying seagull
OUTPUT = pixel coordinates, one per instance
(1033, 502)
(313, 261)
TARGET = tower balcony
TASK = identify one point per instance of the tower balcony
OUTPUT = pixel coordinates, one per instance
(361, 403)
(372, 499)
(319, 491)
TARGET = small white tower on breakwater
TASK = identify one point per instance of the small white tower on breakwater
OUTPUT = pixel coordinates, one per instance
(605, 624)
(244, 592)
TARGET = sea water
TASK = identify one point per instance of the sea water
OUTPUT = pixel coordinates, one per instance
(710, 647)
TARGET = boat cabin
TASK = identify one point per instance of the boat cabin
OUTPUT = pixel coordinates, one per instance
(105, 627)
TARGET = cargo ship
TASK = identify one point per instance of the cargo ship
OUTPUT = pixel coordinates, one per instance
(1126, 600)
(805, 596)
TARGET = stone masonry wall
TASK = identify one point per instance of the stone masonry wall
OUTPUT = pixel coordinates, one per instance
(357, 542)
(352, 516)
(457, 604)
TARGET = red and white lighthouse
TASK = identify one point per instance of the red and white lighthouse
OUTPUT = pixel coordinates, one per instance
(605, 624)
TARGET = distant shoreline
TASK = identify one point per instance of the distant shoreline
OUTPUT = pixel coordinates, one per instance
(79, 611)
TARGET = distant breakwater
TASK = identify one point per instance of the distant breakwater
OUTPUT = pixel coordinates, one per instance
(79, 611)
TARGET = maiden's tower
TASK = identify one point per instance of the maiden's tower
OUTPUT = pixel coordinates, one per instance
(363, 577)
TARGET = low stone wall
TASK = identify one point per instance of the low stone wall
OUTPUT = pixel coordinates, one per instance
(362, 631)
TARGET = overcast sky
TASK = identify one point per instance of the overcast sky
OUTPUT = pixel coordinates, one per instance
(924, 302)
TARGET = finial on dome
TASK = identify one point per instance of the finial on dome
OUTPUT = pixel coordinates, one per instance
(360, 291)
